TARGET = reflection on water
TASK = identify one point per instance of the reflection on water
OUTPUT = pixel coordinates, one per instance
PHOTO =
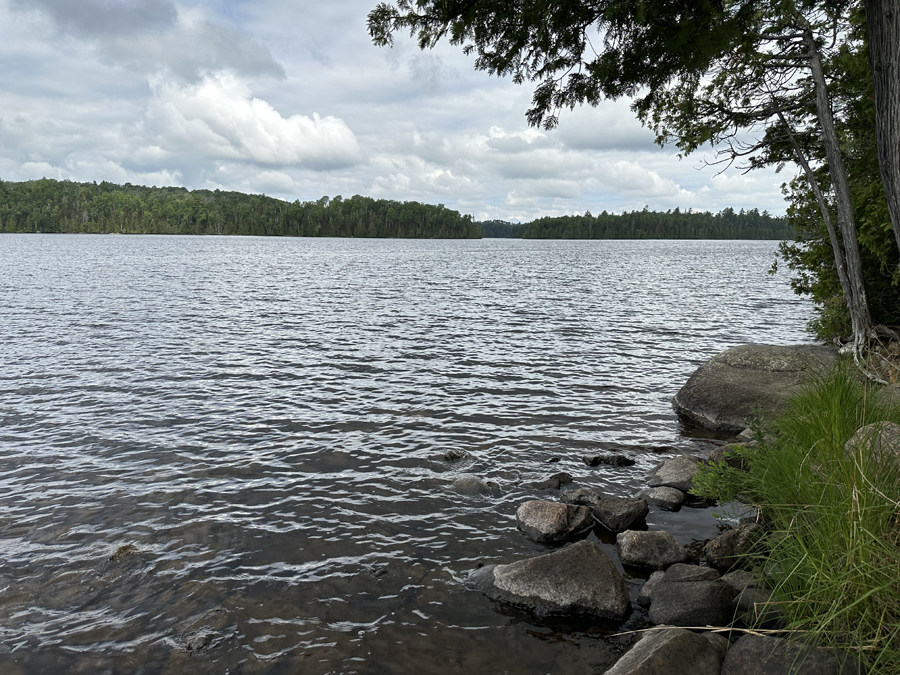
(226, 454)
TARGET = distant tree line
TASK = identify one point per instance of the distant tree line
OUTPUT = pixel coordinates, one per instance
(48, 205)
(673, 224)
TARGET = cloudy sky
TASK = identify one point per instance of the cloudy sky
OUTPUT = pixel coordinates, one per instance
(291, 99)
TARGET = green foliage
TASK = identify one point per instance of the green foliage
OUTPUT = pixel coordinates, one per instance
(673, 224)
(811, 256)
(61, 206)
(501, 229)
(834, 544)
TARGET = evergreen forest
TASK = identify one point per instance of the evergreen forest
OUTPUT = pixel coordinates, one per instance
(62, 206)
(48, 205)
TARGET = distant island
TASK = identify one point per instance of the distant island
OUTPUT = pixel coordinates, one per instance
(48, 205)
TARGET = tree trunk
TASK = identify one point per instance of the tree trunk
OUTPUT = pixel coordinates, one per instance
(883, 20)
(856, 302)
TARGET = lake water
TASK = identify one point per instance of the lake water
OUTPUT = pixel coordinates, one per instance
(225, 455)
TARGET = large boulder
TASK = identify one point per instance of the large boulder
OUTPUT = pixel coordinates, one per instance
(656, 550)
(621, 513)
(760, 655)
(670, 651)
(551, 522)
(581, 497)
(726, 391)
(756, 608)
(675, 473)
(577, 579)
(689, 595)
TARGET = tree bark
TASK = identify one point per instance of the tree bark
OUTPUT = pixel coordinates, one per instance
(856, 302)
(883, 22)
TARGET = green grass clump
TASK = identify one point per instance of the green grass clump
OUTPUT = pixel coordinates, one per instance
(833, 547)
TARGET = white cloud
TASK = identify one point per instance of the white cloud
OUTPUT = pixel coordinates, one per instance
(220, 119)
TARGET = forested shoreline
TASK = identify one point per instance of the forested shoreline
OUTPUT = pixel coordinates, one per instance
(646, 224)
(48, 205)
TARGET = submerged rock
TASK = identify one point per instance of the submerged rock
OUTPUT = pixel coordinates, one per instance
(725, 392)
(551, 522)
(656, 550)
(666, 498)
(675, 473)
(553, 482)
(618, 514)
(468, 484)
(577, 579)
(670, 651)
(608, 459)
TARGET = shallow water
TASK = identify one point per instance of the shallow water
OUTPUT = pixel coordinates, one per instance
(226, 454)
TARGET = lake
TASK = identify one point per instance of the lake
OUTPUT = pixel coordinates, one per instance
(226, 455)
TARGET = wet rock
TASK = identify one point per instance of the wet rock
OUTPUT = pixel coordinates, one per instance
(467, 484)
(608, 459)
(455, 455)
(666, 498)
(689, 595)
(553, 482)
(755, 608)
(551, 522)
(726, 391)
(577, 579)
(656, 550)
(670, 651)
(621, 513)
(879, 441)
(755, 654)
(582, 497)
(646, 595)
(732, 547)
(675, 473)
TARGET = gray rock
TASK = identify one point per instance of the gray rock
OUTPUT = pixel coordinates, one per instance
(719, 643)
(455, 455)
(468, 484)
(553, 482)
(645, 597)
(582, 497)
(621, 513)
(741, 579)
(879, 441)
(656, 550)
(666, 498)
(577, 579)
(728, 454)
(678, 602)
(551, 522)
(679, 572)
(759, 655)
(754, 608)
(726, 391)
(732, 548)
(609, 459)
(675, 473)
(670, 651)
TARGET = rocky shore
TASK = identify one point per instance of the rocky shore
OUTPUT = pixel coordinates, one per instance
(707, 614)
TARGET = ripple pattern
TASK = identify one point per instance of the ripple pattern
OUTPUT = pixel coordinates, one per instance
(226, 454)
